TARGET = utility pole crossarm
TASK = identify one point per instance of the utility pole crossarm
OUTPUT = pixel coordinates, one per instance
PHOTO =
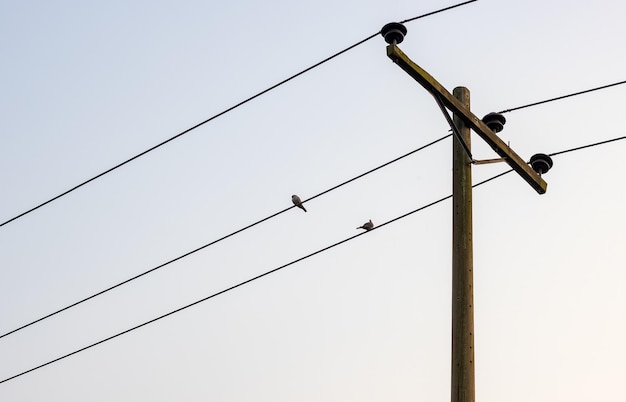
(476, 124)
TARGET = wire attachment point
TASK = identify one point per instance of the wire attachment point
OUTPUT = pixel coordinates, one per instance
(393, 33)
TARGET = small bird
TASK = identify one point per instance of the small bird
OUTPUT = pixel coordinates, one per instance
(297, 202)
(367, 225)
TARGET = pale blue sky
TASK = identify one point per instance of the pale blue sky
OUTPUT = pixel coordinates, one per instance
(86, 85)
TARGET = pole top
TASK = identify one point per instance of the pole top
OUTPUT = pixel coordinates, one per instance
(439, 91)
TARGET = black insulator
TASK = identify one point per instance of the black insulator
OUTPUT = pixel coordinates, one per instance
(541, 163)
(393, 32)
(495, 121)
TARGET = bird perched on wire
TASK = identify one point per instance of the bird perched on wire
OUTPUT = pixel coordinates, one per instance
(367, 225)
(297, 202)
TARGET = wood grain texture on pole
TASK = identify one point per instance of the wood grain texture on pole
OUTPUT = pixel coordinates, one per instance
(462, 386)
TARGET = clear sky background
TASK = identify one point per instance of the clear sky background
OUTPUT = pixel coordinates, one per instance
(86, 85)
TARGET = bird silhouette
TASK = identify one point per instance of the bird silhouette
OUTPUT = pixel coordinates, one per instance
(297, 202)
(367, 225)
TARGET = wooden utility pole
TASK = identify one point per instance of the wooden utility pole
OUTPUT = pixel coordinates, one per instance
(462, 384)
(462, 389)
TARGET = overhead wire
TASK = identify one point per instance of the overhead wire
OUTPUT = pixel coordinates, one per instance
(562, 97)
(431, 204)
(236, 285)
(595, 144)
(587, 146)
(453, 127)
(99, 293)
(437, 11)
(272, 88)
(119, 165)
(282, 211)
(188, 130)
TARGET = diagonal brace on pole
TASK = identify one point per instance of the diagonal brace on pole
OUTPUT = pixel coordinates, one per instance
(476, 124)
(455, 129)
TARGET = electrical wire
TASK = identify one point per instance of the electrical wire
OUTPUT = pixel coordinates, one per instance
(220, 114)
(562, 97)
(587, 146)
(236, 286)
(431, 204)
(595, 144)
(221, 238)
(437, 12)
(188, 130)
(265, 219)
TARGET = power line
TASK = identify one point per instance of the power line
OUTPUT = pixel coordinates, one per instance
(188, 130)
(587, 146)
(265, 219)
(276, 269)
(221, 114)
(380, 167)
(595, 144)
(235, 286)
(220, 239)
(563, 97)
(436, 12)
